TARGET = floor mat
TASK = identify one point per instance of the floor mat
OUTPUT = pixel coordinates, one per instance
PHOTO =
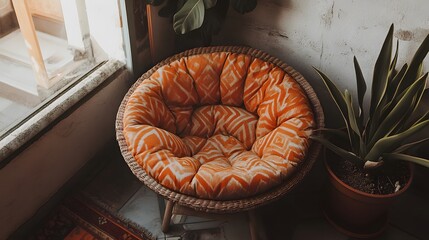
(81, 218)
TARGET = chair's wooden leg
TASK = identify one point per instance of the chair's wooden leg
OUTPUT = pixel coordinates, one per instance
(256, 230)
(252, 225)
(167, 216)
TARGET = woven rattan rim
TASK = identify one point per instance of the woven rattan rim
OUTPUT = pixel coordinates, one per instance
(228, 206)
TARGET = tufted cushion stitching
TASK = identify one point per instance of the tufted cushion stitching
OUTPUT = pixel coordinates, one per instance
(243, 79)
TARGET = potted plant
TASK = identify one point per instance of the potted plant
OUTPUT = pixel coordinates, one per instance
(196, 21)
(368, 168)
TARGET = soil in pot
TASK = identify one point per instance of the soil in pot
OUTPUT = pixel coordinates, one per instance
(388, 179)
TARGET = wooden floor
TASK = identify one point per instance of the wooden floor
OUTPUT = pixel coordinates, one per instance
(297, 216)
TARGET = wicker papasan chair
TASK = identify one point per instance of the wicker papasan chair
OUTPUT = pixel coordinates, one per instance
(219, 129)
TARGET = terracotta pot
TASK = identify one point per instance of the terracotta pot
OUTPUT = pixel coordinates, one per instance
(356, 213)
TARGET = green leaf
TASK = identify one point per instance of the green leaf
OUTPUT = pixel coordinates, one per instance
(379, 114)
(407, 146)
(422, 89)
(244, 6)
(339, 151)
(404, 157)
(381, 71)
(394, 84)
(413, 107)
(189, 17)
(209, 3)
(361, 89)
(335, 93)
(338, 98)
(387, 103)
(413, 70)
(395, 58)
(358, 145)
(390, 143)
(357, 142)
(420, 70)
(422, 119)
(351, 112)
(397, 114)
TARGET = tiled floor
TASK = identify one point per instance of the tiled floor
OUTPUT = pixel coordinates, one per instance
(297, 216)
(118, 188)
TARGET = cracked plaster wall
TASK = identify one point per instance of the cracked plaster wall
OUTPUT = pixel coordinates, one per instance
(327, 34)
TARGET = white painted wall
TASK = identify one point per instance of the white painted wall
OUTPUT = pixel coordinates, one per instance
(37, 173)
(328, 33)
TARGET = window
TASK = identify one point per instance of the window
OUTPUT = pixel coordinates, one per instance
(46, 47)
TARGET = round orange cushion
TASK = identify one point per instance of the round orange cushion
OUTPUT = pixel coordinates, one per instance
(218, 126)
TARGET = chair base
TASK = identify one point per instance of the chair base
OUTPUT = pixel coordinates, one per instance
(256, 231)
(167, 216)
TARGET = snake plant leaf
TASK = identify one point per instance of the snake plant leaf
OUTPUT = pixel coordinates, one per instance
(381, 71)
(189, 17)
(416, 104)
(387, 103)
(410, 145)
(415, 121)
(335, 93)
(398, 112)
(421, 91)
(405, 157)
(404, 122)
(392, 68)
(394, 84)
(390, 143)
(357, 141)
(338, 150)
(420, 70)
(405, 83)
(422, 118)
(244, 6)
(338, 98)
(380, 113)
(361, 89)
(351, 112)
(395, 58)
(209, 3)
(413, 70)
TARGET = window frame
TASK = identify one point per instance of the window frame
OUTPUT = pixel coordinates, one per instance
(26, 131)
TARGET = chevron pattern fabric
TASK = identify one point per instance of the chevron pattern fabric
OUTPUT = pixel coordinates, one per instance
(219, 126)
